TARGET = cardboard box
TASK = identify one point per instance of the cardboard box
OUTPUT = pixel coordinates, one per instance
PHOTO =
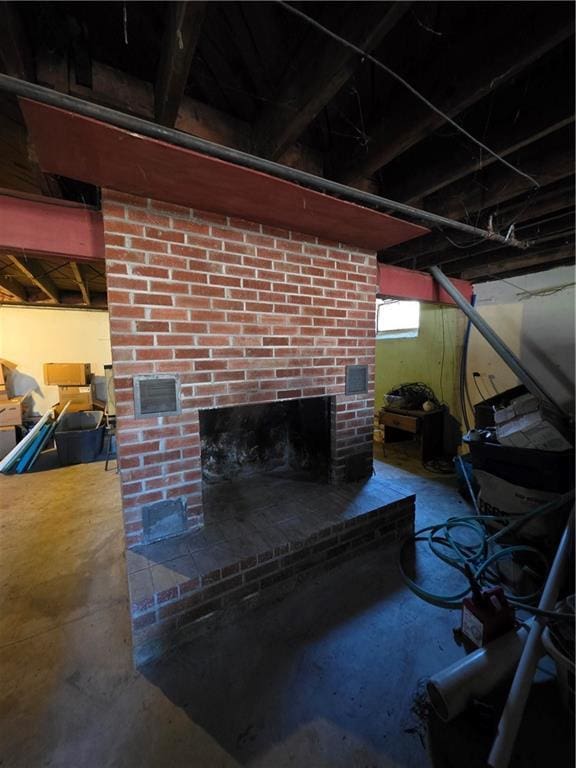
(11, 412)
(5, 365)
(67, 374)
(520, 406)
(532, 430)
(7, 440)
(79, 401)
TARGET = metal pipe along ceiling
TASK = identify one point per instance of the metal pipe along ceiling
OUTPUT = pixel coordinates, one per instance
(24, 89)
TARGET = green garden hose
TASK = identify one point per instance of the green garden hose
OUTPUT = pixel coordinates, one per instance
(480, 556)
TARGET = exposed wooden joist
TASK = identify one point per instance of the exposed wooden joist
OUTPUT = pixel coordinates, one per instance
(319, 70)
(529, 233)
(536, 260)
(80, 278)
(183, 25)
(431, 250)
(538, 118)
(16, 60)
(10, 285)
(548, 161)
(34, 272)
(455, 263)
(119, 90)
(410, 121)
(14, 51)
(71, 299)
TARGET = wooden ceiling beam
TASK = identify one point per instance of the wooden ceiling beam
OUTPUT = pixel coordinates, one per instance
(547, 161)
(10, 285)
(68, 299)
(119, 90)
(410, 120)
(181, 35)
(538, 119)
(319, 70)
(34, 272)
(553, 229)
(455, 262)
(15, 53)
(431, 250)
(79, 275)
(542, 258)
(16, 60)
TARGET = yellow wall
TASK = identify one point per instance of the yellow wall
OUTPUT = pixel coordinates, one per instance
(31, 336)
(400, 361)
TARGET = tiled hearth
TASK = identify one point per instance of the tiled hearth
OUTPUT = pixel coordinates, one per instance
(260, 538)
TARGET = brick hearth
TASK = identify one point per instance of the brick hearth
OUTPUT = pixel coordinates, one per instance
(259, 541)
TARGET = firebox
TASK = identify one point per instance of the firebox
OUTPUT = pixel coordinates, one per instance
(291, 437)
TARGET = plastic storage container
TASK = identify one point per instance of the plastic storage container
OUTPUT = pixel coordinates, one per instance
(79, 437)
(541, 470)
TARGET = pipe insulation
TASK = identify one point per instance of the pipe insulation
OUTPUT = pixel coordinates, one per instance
(496, 343)
(26, 90)
(475, 675)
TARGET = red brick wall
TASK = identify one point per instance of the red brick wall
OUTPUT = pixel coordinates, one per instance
(243, 313)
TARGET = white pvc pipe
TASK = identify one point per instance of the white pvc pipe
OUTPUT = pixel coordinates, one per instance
(475, 675)
(509, 724)
(19, 447)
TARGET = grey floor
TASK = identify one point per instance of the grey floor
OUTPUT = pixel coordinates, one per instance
(328, 677)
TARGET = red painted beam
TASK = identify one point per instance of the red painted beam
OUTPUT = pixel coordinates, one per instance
(51, 228)
(81, 148)
(409, 284)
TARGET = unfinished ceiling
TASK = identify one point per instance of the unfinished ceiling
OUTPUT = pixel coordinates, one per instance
(257, 77)
(55, 282)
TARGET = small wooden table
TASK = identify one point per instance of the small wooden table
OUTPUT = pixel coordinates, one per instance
(429, 425)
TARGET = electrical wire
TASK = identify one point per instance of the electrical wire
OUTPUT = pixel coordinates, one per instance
(474, 378)
(443, 355)
(526, 294)
(406, 84)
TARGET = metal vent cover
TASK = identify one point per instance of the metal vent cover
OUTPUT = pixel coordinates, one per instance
(356, 379)
(156, 395)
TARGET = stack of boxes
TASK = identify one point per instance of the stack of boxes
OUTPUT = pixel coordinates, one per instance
(527, 423)
(10, 412)
(73, 382)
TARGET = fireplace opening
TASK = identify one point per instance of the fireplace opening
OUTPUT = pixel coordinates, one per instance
(291, 437)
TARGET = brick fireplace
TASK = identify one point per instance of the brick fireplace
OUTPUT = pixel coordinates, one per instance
(241, 314)
(259, 326)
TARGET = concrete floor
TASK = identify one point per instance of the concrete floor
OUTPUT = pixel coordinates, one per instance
(327, 677)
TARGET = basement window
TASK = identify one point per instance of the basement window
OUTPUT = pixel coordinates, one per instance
(397, 319)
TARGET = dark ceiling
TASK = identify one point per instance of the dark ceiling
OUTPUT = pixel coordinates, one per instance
(255, 76)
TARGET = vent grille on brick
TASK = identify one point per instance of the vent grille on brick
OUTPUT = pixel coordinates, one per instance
(356, 379)
(156, 395)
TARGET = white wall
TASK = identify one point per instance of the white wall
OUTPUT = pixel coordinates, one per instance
(31, 336)
(534, 315)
